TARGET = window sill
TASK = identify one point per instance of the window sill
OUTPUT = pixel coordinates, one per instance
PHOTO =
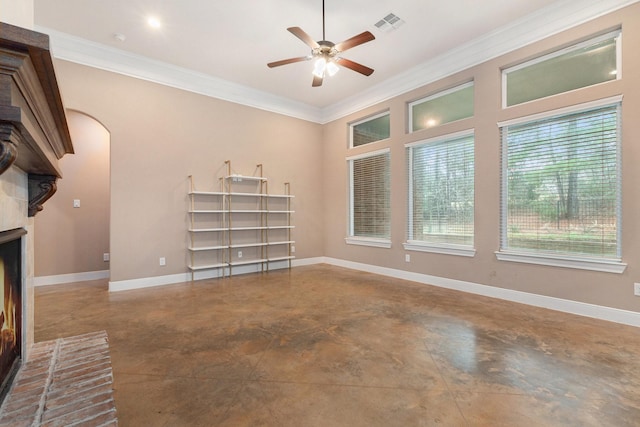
(447, 249)
(593, 264)
(368, 241)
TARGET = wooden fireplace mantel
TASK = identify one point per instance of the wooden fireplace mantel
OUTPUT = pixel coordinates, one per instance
(33, 126)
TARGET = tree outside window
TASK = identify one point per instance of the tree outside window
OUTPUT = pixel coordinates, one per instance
(441, 191)
(561, 184)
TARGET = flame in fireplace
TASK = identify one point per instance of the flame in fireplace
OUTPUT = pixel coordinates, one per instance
(10, 308)
(8, 313)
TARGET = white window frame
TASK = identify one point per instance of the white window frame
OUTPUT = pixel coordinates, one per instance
(368, 119)
(361, 240)
(616, 34)
(567, 261)
(419, 245)
(436, 95)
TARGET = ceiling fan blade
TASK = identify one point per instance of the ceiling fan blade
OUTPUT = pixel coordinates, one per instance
(288, 61)
(317, 81)
(299, 33)
(355, 41)
(355, 66)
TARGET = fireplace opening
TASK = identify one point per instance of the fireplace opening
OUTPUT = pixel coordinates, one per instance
(11, 277)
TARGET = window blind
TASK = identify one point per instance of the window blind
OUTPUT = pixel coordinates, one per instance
(370, 196)
(441, 191)
(561, 184)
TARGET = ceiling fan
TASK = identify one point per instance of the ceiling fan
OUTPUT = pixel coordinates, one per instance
(327, 54)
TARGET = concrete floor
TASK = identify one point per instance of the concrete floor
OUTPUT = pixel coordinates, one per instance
(326, 346)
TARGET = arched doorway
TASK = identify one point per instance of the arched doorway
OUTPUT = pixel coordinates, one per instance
(72, 232)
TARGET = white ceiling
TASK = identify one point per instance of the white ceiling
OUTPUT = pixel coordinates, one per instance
(225, 45)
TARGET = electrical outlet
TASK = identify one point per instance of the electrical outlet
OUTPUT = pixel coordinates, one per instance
(76, 203)
(105, 256)
(636, 289)
(407, 258)
(163, 261)
(239, 254)
(293, 249)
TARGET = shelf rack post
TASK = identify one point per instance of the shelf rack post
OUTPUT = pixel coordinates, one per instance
(287, 192)
(229, 191)
(192, 217)
(226, 234)
(262, 206)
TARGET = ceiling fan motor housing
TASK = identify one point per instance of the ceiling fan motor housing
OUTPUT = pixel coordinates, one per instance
(326, 49)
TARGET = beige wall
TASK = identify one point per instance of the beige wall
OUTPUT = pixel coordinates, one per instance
(160, 135)
(17, 12)
(607, 289)
(68, 239)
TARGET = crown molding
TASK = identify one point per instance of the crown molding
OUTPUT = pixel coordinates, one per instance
(81, 51)
(557, 17)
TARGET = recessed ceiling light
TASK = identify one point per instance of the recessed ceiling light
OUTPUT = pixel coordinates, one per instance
(154, 22)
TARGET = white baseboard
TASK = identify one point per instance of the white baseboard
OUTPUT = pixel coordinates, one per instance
(625, 317)
(70, 278)
(147, 282)
(309, 261)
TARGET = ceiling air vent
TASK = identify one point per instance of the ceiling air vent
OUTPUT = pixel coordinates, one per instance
(389, 23)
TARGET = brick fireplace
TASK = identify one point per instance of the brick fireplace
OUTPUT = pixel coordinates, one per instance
(62, 382)
(33, 137)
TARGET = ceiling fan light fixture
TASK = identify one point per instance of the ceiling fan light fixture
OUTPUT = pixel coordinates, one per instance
(323, 66)
(332, 68)
(319, 67)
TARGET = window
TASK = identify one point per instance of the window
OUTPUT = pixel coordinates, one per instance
(585, 64)
(561, 185)
(443, 107)
(441, 194)
(369, 199)
(369, 130)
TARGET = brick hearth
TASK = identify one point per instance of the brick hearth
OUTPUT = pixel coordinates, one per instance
(66, 382)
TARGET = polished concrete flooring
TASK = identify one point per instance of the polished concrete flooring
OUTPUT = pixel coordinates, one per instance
(326, 346)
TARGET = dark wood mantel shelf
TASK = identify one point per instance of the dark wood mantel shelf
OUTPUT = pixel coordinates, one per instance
(33, 126)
